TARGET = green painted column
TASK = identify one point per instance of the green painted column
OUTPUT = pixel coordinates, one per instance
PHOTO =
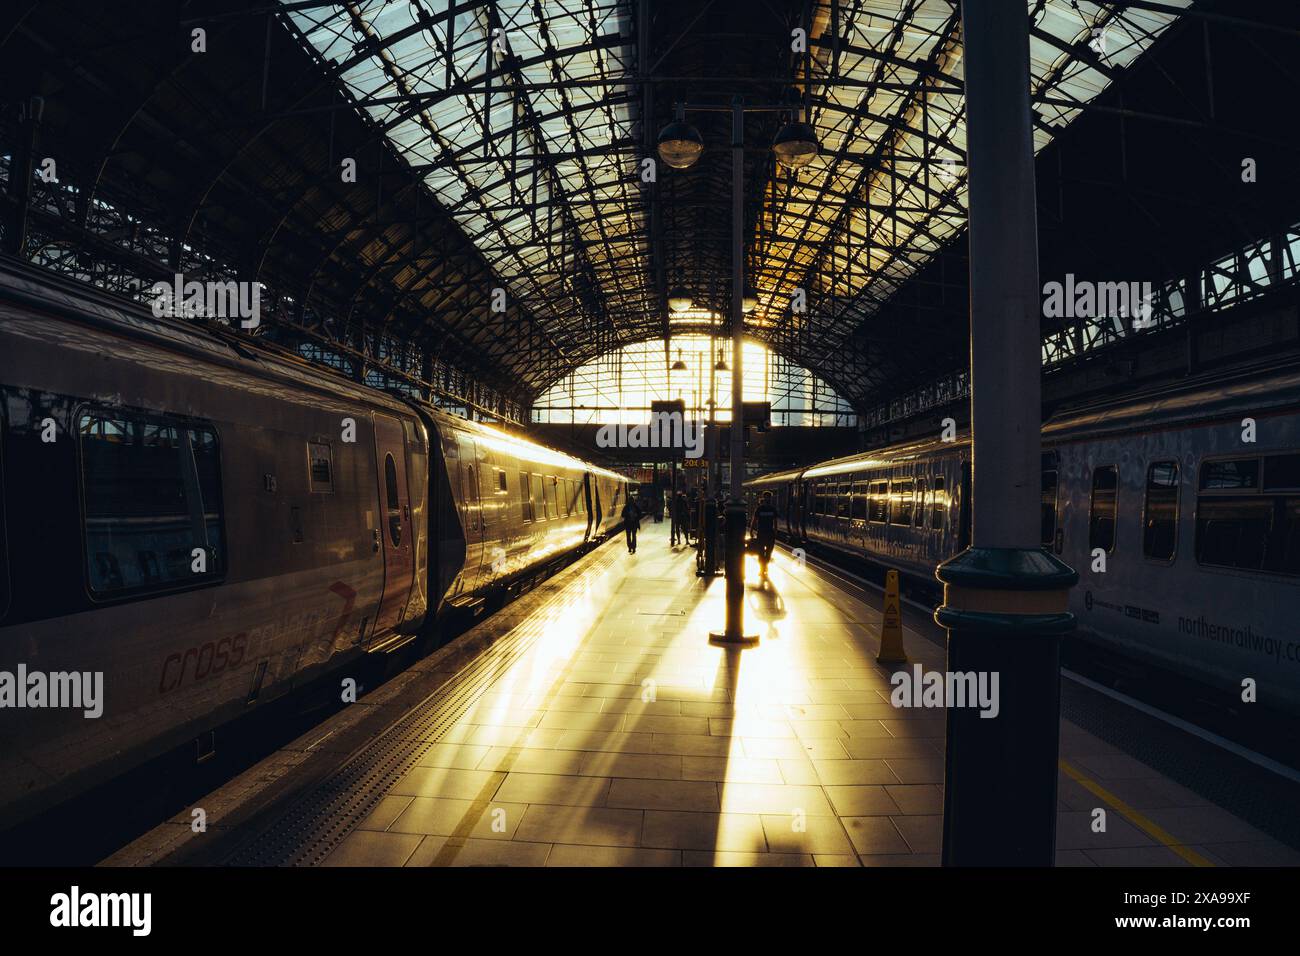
(1005, 599)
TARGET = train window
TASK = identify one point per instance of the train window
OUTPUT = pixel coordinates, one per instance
(538, 492)
(1281, 471)
(859, 509)
(938, 504)
(501, 481)
(151, 486)
(1047, 507)
(1101, 518)
(900, 502)
(548, 492)
(525, 498)
(566, 496)
(5, 589)
(878, 503)
(1286, 552)
(1233, 532)
(1160, 520)
(921, 515)
(582, 498)
(1249, 531)
(1235, 474)
(320, 474)
(391, 496)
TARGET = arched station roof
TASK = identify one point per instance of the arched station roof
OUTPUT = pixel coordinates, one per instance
(499, 144)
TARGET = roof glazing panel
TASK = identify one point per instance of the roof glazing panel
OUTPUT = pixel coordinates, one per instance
(523, 133)
(889, 187)
(524, 120)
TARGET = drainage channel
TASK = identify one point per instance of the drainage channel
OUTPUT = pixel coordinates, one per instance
(314, 824)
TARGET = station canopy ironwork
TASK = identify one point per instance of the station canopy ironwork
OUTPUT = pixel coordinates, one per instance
(506, 221)
(530, 123)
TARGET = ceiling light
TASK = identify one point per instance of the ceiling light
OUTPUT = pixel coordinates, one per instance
(795, 145)
(680, 144)
(679, 299)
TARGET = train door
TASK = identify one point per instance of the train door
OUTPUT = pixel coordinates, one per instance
(395, 530)
(587, 483)
(471, 510)
(801, 513)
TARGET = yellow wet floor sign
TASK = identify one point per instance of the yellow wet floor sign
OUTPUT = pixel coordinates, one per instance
(891, 625)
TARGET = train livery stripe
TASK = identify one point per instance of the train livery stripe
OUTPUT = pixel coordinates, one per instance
(1149, 827)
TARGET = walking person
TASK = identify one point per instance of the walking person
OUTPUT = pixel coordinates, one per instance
(631, 524)
(720, 528)
(763, 524)
(694, 517)
(681, 517)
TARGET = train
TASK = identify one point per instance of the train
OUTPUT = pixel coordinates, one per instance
(1179, 506)
(194, 523)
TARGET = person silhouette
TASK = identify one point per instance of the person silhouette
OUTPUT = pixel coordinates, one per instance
(631, 524)
(763, 524)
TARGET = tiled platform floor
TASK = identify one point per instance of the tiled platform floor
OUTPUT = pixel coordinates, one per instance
(624, 738)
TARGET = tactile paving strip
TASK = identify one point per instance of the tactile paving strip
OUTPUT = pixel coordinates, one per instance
(318, 821)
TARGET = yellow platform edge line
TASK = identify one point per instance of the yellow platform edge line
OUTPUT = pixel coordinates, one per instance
(1150, 827)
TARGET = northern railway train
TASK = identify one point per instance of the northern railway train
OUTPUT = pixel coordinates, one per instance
(1190, 495)
(208, 523)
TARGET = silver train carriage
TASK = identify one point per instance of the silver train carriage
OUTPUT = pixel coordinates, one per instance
(209, 523)
(1179, 507)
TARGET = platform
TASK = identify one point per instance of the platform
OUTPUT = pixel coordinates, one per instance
(591, 723)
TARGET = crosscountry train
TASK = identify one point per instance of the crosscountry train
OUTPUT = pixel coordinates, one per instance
(1179, 507)
(206, 523)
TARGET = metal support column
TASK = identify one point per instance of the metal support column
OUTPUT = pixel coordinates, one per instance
(1005, 598)
(737, 300)
(21, 169)
(735, 512)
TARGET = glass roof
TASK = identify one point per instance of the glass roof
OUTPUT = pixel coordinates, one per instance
(530, 134)
(889, 187)
(514, 166)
